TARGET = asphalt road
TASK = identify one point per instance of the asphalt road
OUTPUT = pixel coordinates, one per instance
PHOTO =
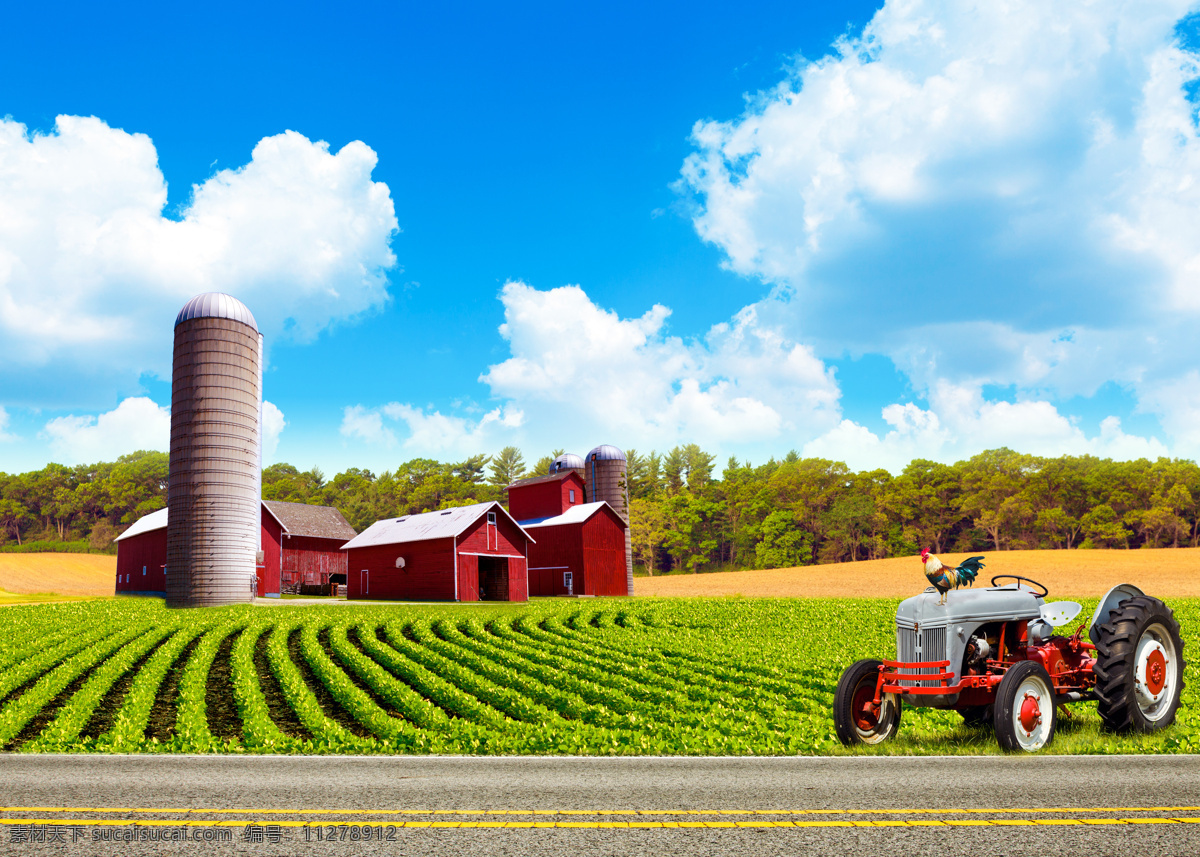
(1044, 805)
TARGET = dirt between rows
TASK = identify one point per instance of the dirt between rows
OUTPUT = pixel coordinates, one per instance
(1163, 572)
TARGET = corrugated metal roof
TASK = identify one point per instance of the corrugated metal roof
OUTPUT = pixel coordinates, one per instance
(566, 461)
(574, 515)
(216, 305)
(534, 480)
(146, 523)
(606, 452)
(301, 519)
(445, 524)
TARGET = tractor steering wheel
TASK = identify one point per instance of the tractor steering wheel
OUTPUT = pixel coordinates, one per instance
(1032, 583)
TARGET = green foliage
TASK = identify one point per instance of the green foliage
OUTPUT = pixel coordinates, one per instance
(697, 676)
(685, 517)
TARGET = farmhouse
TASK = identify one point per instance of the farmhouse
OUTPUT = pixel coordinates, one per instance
(300, 545)
(579, 547)
(472, 553)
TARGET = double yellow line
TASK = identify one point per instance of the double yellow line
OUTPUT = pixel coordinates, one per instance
(542, 818)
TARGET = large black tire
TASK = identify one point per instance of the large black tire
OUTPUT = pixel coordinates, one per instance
(1026, 712)
(855, 724)
(1139, 666)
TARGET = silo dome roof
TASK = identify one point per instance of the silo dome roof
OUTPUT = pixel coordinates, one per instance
(606, 452)
(216, 305)
(566, 461)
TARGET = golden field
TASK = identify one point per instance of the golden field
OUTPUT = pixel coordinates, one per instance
(1164, 573)
(73, 575)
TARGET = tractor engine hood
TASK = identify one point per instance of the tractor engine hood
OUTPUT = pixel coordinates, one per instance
(971, 607)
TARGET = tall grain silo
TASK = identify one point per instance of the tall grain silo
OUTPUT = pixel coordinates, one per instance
(604, 476)
(568, 462)
(213, 522)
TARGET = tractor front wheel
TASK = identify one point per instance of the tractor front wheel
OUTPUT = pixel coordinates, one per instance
(1025, 710)
(1139, 666)
(856, 717)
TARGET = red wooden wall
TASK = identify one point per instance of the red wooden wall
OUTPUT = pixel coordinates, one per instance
(545, 499)
(429, 565)
(593, 551)
(428, 573)
(604, 555)
(270, 572)
(310, 560)
(148, 551)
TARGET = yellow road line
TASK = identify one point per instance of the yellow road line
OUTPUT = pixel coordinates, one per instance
(602, 825)
(601, 812)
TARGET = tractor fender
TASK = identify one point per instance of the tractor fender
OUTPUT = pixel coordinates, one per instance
(1110, 602)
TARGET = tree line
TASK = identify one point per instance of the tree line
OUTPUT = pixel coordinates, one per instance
(687, 516)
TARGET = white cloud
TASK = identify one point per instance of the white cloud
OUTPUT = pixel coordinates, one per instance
(5, 437)
(430, 433)
(136, 423)
(92, 273)
(366, 425)
(590, 373)
(272, 424)
(995, 193)
(961, 423)
(580, 375)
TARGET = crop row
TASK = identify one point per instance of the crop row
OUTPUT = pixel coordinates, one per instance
(688, 677)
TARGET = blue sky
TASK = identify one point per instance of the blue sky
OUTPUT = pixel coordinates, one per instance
(864, 232)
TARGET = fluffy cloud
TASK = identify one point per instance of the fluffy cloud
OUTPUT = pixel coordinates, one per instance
(136, 423)
(994, 193)
(92, 272)
(579, 375)
(430, 433)
(272, 425)
(591, 373)
(961, 422)
(4, 435)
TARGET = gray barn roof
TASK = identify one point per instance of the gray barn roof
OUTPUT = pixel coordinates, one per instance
(301, 519)
(445, 524)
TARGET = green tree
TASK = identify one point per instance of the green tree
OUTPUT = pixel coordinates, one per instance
(506, 468)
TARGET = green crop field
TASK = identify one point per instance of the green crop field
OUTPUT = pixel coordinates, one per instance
(648, 676)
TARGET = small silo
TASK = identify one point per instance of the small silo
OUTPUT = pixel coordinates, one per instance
(567, 462)
(213, 524)
(604, 475)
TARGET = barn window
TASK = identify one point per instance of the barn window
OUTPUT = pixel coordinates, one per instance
(143, 571)
(492, 518)
(571, 493)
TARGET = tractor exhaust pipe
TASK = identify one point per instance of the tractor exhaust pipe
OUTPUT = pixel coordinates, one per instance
(1077, 696)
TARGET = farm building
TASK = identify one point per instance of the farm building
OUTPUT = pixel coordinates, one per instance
(300, 545)
(580, 552)
(545, 496)
(472, 553)
(311, 542)
(579, 547)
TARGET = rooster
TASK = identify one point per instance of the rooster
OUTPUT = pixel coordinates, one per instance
(944, 578)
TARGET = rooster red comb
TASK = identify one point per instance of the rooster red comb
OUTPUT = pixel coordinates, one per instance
(924, 552)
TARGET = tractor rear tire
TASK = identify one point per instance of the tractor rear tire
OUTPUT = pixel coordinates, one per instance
(1026, 711)
(853, 718)
(1139, 666)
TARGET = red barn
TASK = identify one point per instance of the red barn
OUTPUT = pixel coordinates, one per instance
(472, 553)
(310, 544)
(300, 545)
(579, 552)
(545, 496)
(142, 556)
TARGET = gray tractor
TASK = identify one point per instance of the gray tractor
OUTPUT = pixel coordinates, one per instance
(995, 656)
